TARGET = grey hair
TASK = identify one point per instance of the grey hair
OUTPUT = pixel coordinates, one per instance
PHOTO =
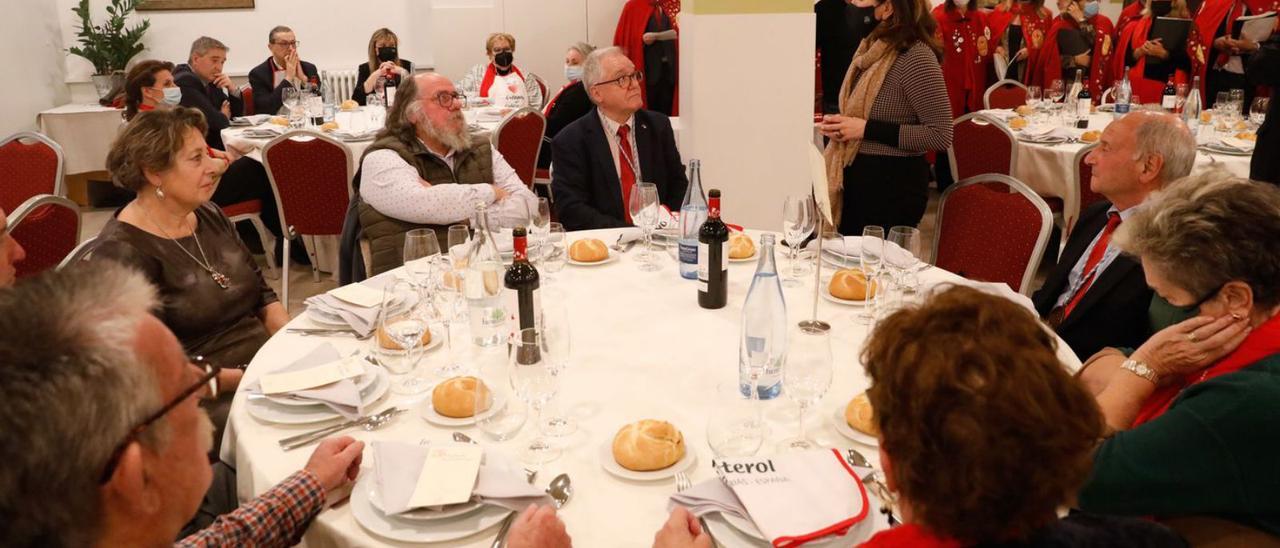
(584, 49)
(1208, 229)
(203, 44)
(271, 36)
(71, 390)
(591, 68)
(1168, 137)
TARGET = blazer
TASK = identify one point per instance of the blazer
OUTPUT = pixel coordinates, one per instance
(362, 73)
(1113, 311)
(569, 105)
(268, 98)
(585, 179)
(1264, 70)
(207, 99)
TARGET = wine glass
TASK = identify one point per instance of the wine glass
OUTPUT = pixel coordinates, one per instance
(401, 326)
(806, 377)
(420, 250)
(872, 244)
(499, 416)
(1236, 96)
(556, 338)
(904, 256)
(445, 300)
(459, 235)
(291, 96)
(1258, 111)
(557, 252)
(1034, 97)
(534, 380)
(735, 429)
(539, 221)
(1056, 90)
(798, 220)
(644, 214)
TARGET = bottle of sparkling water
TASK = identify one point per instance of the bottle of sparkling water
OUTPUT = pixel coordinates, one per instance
(693, 212)
(763, 346)
(482, 284)
(1191, 109)
(1124, 95)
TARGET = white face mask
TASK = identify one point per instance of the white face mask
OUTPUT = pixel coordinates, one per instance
(573, 73)
(960, 3)
(172, 96)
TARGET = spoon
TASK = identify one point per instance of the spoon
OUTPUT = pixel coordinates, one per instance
(873, 478)
(560, 490)
(462, 438)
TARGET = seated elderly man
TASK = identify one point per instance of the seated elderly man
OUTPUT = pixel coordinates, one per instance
(206, 87)
(602, 155)
(284, 69)
(425, 170)
(11, 252)
(1096, 297)
(105, 444)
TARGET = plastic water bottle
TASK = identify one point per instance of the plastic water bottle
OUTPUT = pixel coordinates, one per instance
(693, 212)
(1191, 110)
(1124, 95)
(482, 285)
(763, 346)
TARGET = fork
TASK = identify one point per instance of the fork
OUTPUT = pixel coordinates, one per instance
(683, 483)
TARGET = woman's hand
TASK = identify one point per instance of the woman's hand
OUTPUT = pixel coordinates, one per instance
(1081, 60)
(1022, 54)
(842, 128)
(1155, 48)
(1191, 345)
(1073, 9)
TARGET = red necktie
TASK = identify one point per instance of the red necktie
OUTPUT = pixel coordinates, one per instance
(1095, 257)
(628, 170)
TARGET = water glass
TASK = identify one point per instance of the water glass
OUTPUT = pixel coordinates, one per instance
(459, 236)
(556, 337)
(806, 378)
(1236, 96)
(501, 415)
(401, 325)
(557, 252)
(643, 207)
(1258, 111)
(420, 251)
(1056, 91)
(446, 300)
(903, 257)
(872, 253)
(539, 223)
(735, 428)
(534, 380)
(799, 217)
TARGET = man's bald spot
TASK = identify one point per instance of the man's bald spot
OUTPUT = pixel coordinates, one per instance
(429, 83)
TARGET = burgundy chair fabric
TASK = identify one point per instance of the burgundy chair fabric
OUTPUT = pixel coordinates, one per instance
(988, 233)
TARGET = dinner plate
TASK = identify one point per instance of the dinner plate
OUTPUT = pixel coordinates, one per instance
(613, 256)
(1215, 148)
(1042, 140)
(423, 514)
(408, 530)
(429, 414)
(266, 411)
(826, 294)
(724, 525)
(364, 383)
(842, 426)
(753, 257)
(611, 466)
(437, 339)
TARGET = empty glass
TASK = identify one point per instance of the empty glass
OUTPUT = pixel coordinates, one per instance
(643, 207)
(556, 254)
(735, 428)
(798, 220)
(806, 377)
(500, 416)
(903, 257)
(401, 326)
(872, 253)
(445, 300)
(1258, 111)
(539, 222)
(1236, 96)
(459, 235)
(1056, 92)
(534, 380)
(420, 251)
(556, 338)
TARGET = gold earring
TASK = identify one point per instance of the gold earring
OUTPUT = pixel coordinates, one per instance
(159, 193)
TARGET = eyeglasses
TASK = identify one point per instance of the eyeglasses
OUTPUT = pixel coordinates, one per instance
(446, 98)
(288, 44)
(625, 80)
(209, 379)
(503, 50)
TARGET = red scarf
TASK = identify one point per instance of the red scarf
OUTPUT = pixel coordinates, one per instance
(552, 103)
(1262, 342)
(489, 73)
(908, 534)
(629, 36)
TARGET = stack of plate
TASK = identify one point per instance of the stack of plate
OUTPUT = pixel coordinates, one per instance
(450, 522)
(285, 409)
(324, 315)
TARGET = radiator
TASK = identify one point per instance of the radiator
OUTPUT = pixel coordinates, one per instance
(341, 82)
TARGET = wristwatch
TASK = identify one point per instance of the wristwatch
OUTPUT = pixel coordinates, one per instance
(1140, 369)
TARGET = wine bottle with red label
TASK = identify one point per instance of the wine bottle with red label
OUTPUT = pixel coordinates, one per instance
(713, 256)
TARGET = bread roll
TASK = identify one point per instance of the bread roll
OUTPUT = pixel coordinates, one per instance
(385, 340)
(1024, 110)
(851, 285)
(648, 445)
(1018, 123)
(740, 246)
(456, 397)
(329, 126)
(349, 105)
(1091, 136)
(1247, 136)
(280, 120)
(860, 416)
(588, 250)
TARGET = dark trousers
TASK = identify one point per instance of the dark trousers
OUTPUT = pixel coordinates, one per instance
(886, 191)
(246, 179)
(220, 499)
(661, 95)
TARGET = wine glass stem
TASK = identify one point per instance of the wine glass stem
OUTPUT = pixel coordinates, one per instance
(803, 408)
(755, 386)
(537, 426)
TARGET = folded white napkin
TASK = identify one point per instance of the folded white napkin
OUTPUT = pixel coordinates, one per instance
(851, 248)
(792, 498)
(253, 119)
(342, 396)
(1241, 145)
(397, 466)
(344, 133)
(264, 130)
(1047, 132)
(1002, 114)
(360, 319)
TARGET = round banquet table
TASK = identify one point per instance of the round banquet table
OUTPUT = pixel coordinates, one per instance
(641, 348)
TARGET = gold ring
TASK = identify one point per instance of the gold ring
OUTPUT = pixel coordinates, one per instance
(1192, 337)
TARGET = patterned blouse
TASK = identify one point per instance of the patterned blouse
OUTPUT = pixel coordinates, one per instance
(910, 115)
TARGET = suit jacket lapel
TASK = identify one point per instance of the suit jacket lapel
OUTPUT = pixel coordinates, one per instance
(602, 160)
(1057, 283)
(1115, 272)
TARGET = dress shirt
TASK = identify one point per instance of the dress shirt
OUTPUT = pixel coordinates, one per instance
(611, 135)
(392, 186)
(278, 74)
(1077, 276)
(277, 518)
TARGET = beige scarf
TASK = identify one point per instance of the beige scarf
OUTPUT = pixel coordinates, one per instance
(872, 62)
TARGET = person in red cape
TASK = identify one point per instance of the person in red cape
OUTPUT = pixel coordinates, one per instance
(648, 32)
(966, 53)
(1133, 50)
(1196, 409)
(1030, 20)
(1223, 67)
(1128, 15)
(1079, 16)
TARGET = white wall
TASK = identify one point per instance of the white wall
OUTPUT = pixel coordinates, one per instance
(30, 64)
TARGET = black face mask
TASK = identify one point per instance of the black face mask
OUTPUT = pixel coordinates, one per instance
(504, 58)
(1161, 8)
(388, 54)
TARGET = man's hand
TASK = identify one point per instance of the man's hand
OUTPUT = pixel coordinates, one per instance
(681, 530)
(293, 66)
(335, 462)
(222, 81)
(499, 194)
(538, 527)
(226, 109)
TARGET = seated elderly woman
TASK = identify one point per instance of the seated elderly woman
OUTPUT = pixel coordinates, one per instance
(499, 81)
(1196, 409)
(215, 299)
(984, 435)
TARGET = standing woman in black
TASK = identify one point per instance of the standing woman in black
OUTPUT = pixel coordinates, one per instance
(893, 109)
(385, 61)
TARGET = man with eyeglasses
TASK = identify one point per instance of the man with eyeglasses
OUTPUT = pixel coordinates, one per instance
(599, 158)
(283, 69)
(426, 170)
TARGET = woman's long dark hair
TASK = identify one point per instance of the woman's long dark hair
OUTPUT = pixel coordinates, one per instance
(142, 75)
(912, 21)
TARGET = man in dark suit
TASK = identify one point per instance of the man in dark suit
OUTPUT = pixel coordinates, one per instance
(841, 27)
(1097, 297)
(283, 69)
(601, 156)
(1264, 70)
(206, 88)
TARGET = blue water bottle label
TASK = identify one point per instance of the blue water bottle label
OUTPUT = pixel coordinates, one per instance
(689, 252)
(1122, 108)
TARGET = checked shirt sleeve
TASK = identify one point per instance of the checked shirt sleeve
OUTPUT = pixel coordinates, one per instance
(277, 518)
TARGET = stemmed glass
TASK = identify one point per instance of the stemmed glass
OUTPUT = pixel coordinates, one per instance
(420, 250)
(556, 339)
(556, 254)
(1056, 92)
(539, 223)
(735, 429)
(644, 214)
(1034, 95)
(401, 322)
(1236, 96)
(806, 377)
(534, 380)
(798, 220)
(1258, 111)
(444, 299)
(459, 235)
(872, 243)
(903, 257)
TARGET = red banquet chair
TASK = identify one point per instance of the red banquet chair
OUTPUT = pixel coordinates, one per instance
(1086, 196)
(48, 229)
(519, 139)
(542, 86)
(30, 164)
(1005, 94)
(251, 211)
(992, 228)
(310, 175)
(980, 144)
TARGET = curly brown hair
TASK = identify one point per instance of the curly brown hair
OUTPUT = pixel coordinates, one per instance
(149, 143)
(987, 432)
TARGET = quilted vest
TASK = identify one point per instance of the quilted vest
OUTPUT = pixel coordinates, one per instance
(386, 234)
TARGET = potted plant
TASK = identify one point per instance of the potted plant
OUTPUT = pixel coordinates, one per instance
(109, 46)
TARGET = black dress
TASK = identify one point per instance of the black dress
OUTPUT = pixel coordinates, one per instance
(568, 106)
(362, 73)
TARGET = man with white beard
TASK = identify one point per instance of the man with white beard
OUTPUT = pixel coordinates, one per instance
(425, 170)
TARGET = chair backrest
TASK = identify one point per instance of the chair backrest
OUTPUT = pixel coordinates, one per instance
(310, 175)
(80, 253)
(519, 139)
(981, 144)
(1005, 94)
(246, 97)
(542, 86)
(30, 164)
(1086, 197)
(992, 228)
(48, 229)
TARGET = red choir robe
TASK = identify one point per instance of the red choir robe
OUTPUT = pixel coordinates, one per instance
(1207, 22)
(966, 56)
(1035, 25)
(1144, 90)
(1099, 74)
(630, 37)
(1129, 14)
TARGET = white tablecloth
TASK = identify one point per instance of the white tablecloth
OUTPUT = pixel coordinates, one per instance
(85, 133)
(642, 348)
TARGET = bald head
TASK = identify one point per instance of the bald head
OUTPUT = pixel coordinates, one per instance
(1163, 134)
(1138, 154)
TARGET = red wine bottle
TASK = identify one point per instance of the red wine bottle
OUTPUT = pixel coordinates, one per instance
(713, 256)
(521, 282)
